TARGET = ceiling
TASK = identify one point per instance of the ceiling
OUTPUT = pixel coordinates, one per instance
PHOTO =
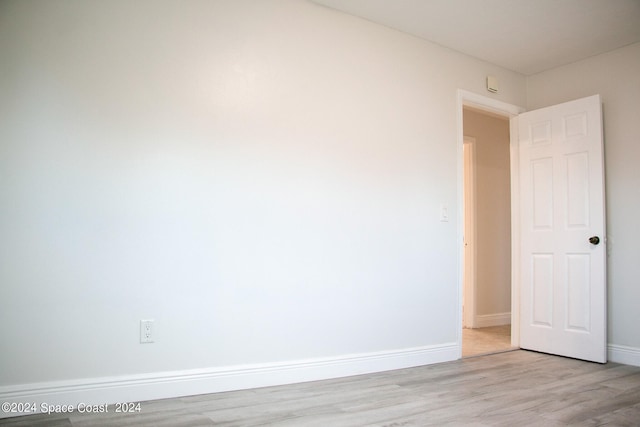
(526, 36)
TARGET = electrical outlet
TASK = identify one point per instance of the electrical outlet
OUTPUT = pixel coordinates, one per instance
(146, 331)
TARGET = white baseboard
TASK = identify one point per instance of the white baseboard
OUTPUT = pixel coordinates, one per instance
(498, 319)
(136, 388)
(623, 354)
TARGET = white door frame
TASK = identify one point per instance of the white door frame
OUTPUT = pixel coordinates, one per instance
(469, 234)
(491, 105)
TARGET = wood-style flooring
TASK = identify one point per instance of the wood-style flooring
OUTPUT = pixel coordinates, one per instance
(517, 388)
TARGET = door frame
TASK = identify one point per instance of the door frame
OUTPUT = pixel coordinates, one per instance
(469, 234)
(466, 98)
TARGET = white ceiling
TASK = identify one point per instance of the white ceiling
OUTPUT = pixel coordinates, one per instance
(527, 36)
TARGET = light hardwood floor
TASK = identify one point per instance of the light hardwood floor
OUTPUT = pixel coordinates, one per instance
(517, 388)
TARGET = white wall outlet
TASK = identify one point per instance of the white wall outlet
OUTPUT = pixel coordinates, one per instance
(146, 331)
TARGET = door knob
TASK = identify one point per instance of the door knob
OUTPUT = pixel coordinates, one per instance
(594, 240)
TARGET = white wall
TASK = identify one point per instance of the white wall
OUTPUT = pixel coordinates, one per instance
(615, 76)
(493, 212)
(263, 179)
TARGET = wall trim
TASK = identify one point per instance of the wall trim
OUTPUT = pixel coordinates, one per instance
(623, 354)
(497, 319)
(161, 385)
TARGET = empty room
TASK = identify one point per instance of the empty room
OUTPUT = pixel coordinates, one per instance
(261, 212)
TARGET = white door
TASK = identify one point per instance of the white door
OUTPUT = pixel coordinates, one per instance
(563, 250)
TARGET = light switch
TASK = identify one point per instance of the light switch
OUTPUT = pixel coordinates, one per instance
(444, 213)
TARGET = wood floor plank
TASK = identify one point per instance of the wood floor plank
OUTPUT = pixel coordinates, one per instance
(518, 388)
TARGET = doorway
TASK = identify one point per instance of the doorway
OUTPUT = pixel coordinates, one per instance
(487, 233)
(486, 299)
(579, 302)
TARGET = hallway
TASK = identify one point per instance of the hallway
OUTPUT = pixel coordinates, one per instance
(479, 341)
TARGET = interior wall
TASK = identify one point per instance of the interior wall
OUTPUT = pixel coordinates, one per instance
(264, 179)
(613, 75)
(493, 211)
